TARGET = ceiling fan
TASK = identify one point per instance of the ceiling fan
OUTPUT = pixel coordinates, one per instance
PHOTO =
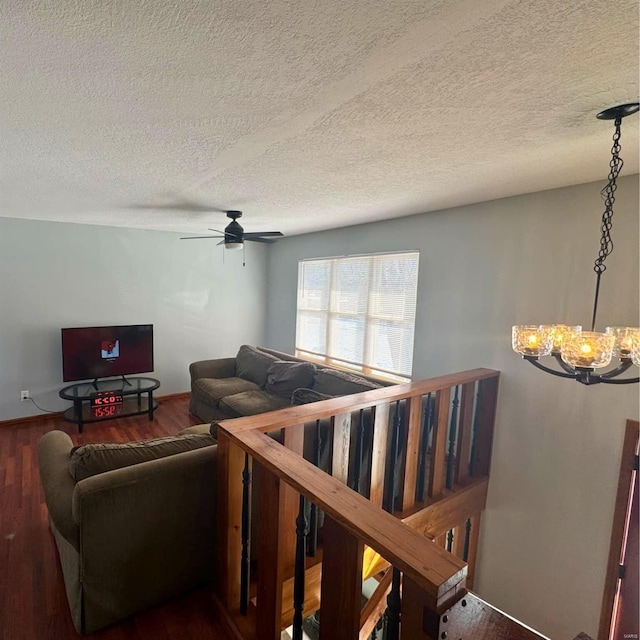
(234, 236)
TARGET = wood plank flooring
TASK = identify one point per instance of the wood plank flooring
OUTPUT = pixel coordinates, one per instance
(33, 605)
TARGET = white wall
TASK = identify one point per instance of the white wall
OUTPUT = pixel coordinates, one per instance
(483, 268)
(55, 275)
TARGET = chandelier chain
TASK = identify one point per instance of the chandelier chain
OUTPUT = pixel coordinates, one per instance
(609, 197)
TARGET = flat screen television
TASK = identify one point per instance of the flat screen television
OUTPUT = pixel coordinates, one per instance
(103, 352)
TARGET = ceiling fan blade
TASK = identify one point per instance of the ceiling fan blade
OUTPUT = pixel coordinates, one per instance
(264, 240)
(258, 234)
(199, 237)
(227, 234)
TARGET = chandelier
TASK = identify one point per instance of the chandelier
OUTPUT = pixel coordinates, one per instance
(580, 353)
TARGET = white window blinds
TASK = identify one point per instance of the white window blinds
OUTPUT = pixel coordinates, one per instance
(359, 312)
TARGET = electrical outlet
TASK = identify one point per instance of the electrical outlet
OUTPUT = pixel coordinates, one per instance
(24, 395)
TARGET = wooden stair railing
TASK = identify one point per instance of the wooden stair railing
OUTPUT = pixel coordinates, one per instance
(351, 521)
(437, 432)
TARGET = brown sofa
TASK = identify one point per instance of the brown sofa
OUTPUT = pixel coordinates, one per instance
(134, 523)
(258, 380)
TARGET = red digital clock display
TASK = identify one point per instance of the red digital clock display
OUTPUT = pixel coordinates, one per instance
(105, 404)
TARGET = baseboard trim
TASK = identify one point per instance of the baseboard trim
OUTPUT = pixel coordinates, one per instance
(16, 422)
(173, 396)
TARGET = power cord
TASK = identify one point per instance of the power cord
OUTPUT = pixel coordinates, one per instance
(39, 407)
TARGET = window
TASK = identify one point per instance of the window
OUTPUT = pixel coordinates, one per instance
(359, 312)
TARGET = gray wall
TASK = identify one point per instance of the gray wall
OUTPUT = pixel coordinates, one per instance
(56, 275)
(483, 268)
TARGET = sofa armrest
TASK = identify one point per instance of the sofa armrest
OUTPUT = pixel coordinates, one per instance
(218, 368)
(54, 449)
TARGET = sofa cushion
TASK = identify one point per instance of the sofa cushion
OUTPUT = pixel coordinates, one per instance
(214, 389)
(210, 428)
(341, 383)
(253, 364)
(251, 403)
(91, 459)
(205, 428)
(305, 396)
(283, 378)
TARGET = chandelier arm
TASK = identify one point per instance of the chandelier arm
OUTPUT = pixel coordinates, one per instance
(534, 361)
(563, 364)
(623, 381)
(624, 365)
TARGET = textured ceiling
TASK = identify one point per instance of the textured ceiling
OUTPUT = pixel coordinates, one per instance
(306, 115)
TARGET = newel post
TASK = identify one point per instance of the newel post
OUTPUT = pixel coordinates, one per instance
(230, 467)
(486, 416)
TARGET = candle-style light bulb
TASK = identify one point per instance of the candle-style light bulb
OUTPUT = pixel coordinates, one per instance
(531, 340)
(635, 350)
(588, 350)
(624, 337)
(559, 333)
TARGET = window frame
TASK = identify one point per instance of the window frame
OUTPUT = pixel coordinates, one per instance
(330, 315)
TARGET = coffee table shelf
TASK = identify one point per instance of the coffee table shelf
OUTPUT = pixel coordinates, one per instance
(109, 399)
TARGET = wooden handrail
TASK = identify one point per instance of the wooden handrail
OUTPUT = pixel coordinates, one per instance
(432, 520)
(297, 415)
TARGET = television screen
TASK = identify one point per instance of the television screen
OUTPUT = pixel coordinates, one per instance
(103, 352)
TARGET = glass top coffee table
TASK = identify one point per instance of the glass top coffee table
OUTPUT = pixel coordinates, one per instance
(109, 398)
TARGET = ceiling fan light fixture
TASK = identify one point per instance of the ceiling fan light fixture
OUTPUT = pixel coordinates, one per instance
(233, 237)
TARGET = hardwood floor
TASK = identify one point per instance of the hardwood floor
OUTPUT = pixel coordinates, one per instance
(33, 605)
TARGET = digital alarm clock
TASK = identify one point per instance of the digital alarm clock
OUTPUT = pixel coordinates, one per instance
(106, 403)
